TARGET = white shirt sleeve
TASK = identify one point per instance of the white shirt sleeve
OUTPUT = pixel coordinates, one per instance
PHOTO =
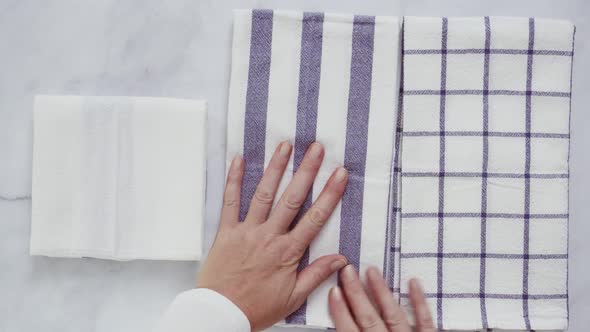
(203, 310)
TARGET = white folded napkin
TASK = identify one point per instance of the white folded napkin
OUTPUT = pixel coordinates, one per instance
(308, 77)
(484, 169)
(118, 177)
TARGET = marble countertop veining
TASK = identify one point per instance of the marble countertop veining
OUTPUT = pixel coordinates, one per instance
(181, 48)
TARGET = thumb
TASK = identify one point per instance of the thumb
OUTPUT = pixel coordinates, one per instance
(313, 275)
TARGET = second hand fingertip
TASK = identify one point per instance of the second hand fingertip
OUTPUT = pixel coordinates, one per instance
(237, 161)
(373, 272)
(336, 293)
(415, 285)
(341, 174)
(348, 273)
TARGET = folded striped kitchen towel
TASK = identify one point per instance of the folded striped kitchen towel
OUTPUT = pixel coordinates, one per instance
(484, 170)
(308, 77)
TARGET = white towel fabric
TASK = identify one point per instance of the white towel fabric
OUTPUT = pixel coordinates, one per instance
(118, 177)
(484, 169)
(308, 77)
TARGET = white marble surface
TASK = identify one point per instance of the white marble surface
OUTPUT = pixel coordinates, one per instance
(181, 48)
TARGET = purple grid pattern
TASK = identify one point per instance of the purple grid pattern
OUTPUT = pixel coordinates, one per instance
(526, 218)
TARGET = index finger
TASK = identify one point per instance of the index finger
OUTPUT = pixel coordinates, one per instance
(339, 311)
(230, 213)
(365, 314)
(391, 312)
(314, 219)
(422, 314)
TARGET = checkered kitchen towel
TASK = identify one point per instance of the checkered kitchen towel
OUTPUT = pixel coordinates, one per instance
(484, 170)
(308, 77)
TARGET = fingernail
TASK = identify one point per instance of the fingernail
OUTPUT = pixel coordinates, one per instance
(349, 273)
(316, 150)
(341, 174)
(337, 293)
(285, 150)
(338, 264)
(415, 284)
(373, 273)
(237, 162)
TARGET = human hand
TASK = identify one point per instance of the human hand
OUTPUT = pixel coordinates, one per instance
(254, 263)
(352, 309)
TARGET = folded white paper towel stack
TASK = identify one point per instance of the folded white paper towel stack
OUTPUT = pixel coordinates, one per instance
(118, 177)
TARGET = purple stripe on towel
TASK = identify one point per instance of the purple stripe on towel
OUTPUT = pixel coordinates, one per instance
(490, 92)
(256, 105)
(395, 180)
(417, 255)
(487, 175)
(490, 51)
(359, 100)
(527, 180)
(307, 113)
(484, 178)
(492, 296)
(480, 133)
(441, 180)
(488, 215)
(569, 121)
